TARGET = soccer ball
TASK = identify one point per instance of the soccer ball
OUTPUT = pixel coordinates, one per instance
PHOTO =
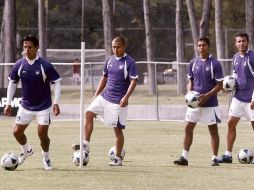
(192, 99)
(229, 83)
(76, 158)
(9, 161)
(245, 156)
(112, 153)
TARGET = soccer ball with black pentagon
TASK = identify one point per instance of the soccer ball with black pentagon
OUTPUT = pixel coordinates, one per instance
(245, 156)
(76, 158)
(192, 99)
(9, 161)
(229, 83)
(112, 153)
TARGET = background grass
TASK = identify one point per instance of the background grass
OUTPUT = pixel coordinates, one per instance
(150, 147)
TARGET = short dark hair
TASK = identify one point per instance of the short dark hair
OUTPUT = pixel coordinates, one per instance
(121, 39)
(242, 34)
(32, 39)
(205, 39)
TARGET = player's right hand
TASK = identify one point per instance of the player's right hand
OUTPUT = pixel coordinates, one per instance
(7, 110)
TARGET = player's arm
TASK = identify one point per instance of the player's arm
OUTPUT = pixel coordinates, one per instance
(204, 97)
(101, 86)
(10, 93)
(56, 109)
(125, 100)
(190, 85)
(252, 101)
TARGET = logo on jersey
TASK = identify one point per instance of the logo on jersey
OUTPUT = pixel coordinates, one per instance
(37, 72)
(121, 67)
(23, 72)
(207, 68)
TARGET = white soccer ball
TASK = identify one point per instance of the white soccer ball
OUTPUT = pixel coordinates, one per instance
(192, 99)
(76, 158)
(112, 153)
(245, 156)
(9, 161)
(229, 83)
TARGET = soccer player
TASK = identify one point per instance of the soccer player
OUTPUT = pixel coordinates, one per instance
(206, 77)
(243, 100)
(35, 74)
(110, 100)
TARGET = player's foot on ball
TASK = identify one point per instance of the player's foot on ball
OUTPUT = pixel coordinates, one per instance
(181, 161)
(24, 155)
(76, 147)
(215, 162)
(116, 162)
(225, 159)
(47, 165)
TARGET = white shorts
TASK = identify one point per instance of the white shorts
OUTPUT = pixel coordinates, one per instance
(111, 114)
(25, 117)
(241, 109)
(208, 115)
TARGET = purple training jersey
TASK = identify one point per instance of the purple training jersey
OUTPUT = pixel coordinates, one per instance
(243, 67)
(35, 81)
(205, 74)
(119, 73)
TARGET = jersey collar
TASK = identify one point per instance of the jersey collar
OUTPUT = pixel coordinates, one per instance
(33, 60)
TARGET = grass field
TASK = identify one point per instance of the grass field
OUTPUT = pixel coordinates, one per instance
(150, 147)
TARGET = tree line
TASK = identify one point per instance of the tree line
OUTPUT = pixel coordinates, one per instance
(155, 29)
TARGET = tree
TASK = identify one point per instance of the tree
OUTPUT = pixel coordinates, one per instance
(107, 25)
(181, 69)
(219, 34)
(193, 23)
(9, 37)
(42, 28)
(249, 6)
(204, 23)
(149, 47)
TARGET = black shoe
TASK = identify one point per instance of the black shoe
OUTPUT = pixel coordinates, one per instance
(225, 159)
(181, 161)
(215, 162)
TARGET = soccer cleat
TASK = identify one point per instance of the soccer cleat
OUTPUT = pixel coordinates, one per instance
(47, 165)
(116, 162)
(24, 155)
(225, 159)
(76, 147)
(181, 161)
(215, 162)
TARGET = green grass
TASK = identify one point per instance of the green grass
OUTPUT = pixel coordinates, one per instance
(167, 94)
(150, 148)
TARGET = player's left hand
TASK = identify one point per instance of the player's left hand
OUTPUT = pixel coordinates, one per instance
(123, 102)
(252, 105)
(56, 109)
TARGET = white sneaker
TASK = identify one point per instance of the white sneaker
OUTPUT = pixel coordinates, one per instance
(116, 162)
(24, 155)
(47, 165)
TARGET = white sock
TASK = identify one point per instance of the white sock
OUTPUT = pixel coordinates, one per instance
(25, 147)
(185, 154)
(87, 143)
(45, 155)
(228, 153)
(214, 157)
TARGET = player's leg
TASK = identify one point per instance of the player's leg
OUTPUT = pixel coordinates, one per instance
(23, 119)
(215, 141)
(43, 119)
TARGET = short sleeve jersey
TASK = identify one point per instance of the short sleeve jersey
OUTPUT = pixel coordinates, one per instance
(243, 67)
(35, 81)
(119, 73)
(205, 74)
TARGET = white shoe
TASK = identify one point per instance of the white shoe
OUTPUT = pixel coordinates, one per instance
(116, 162)
(24, 155)
(47, 165)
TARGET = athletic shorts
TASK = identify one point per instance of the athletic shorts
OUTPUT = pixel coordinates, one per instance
(241, 109)
(208, 115)
(111, 114)
(25, 117)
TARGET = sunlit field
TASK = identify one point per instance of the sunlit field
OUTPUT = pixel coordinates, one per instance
(150, 148)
